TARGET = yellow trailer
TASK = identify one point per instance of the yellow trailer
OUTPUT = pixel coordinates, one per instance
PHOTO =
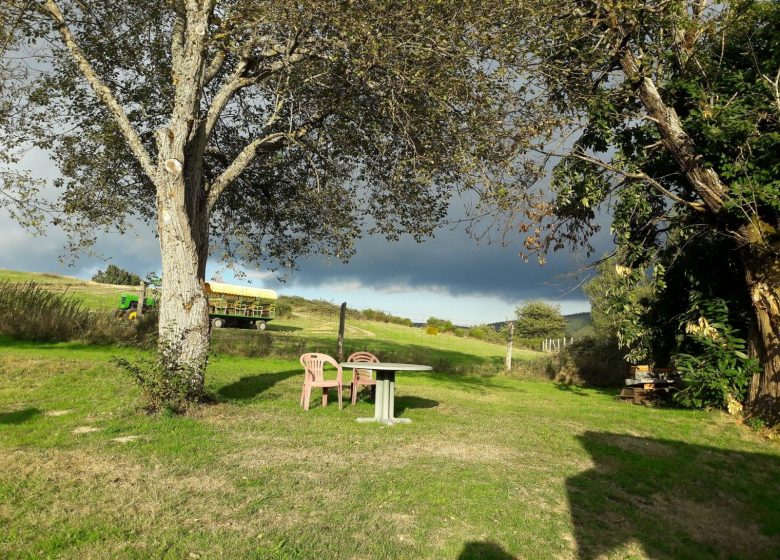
(239, 306)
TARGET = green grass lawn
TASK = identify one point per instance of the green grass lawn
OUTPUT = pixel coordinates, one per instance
(491, 467)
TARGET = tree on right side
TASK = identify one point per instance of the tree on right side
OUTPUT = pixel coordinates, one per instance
(669, 115)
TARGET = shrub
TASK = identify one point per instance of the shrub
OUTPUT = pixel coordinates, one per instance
(283, 309)
(488, 334)
(543, 367)
(106, 328)
(162, 389)
(115, 275)
(597, 362)
(441, 325)
(537, 319)
(28, 312)
(720, 370)
(431, 330)
(479, 332)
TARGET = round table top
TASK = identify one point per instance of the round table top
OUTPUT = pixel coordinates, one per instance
(385, 366)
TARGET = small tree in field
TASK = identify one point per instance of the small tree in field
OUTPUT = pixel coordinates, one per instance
(115, 275)
(264, 130)
(537, 319)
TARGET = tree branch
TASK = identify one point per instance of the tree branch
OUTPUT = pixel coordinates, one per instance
(247, 73)
(214, 67)
(695, 206)
(703, 179)
(274, 140)
(101, 90)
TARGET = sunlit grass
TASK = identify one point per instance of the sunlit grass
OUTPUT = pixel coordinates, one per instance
(491, 467)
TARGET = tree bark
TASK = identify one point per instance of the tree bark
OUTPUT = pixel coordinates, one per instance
(184, 315)
(762, 275)
(183, 211)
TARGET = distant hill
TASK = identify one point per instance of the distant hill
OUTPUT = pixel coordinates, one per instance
(579, 325)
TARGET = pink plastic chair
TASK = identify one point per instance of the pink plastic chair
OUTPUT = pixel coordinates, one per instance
(314, 376)
(362, 376)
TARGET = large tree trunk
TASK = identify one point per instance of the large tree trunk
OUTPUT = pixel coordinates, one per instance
(182, 211)
(762, 274)
(182, 226)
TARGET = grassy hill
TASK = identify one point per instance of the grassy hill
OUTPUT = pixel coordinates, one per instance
(579, 325)
(312, 327)
(92, 294)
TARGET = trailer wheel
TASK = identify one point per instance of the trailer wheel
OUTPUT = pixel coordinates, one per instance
(260, 325)
(132, 315)
(217, 322)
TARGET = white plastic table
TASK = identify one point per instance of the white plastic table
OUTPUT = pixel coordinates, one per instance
(384, 402)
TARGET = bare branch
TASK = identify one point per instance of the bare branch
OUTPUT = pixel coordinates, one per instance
(101, 90)
(240, 78)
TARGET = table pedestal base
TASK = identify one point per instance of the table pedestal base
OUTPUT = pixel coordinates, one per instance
(384, 402)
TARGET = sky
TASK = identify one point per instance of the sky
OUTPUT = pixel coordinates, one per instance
(449, 277)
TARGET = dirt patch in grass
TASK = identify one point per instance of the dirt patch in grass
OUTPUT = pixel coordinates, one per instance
(58, 412)
(84, 430)
(125, 439)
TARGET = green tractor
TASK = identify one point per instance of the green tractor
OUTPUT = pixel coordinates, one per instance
(128, 306)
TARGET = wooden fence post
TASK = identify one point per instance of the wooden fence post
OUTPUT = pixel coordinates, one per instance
(508, 359)
(141, 299)
(342, 320)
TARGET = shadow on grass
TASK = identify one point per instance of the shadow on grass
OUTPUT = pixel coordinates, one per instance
(587, 390)
(573, 389)
(675, 500)
(484, 551)
(479, 383)
(281, 328)
(18, 416)
(403, 403)
(252, 385)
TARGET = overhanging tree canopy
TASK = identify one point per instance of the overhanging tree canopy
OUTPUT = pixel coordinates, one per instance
(268, 128)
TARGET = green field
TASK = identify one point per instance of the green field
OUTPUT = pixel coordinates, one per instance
(91, 294)
(492, 467)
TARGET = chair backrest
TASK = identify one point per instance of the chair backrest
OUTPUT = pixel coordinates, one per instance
(314, 365)
(366, 357)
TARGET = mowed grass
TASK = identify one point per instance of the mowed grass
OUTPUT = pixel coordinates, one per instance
(491, 467)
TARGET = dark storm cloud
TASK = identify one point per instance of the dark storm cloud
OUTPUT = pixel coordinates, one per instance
(455, 263)
(137, 251)
(450, 262)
